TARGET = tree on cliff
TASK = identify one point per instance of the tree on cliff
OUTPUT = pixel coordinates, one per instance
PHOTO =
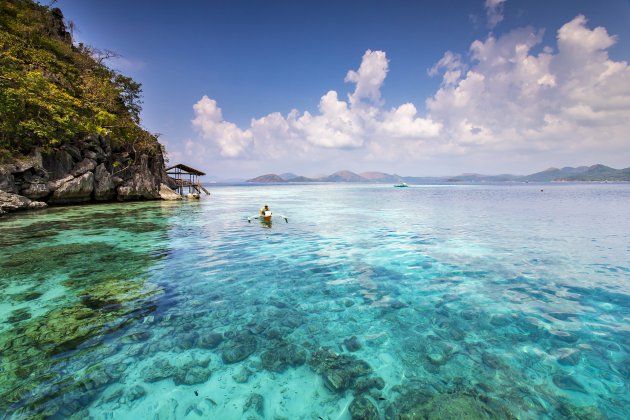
(53, 92)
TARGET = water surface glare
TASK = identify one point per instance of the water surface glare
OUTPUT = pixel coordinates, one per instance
(492, 301)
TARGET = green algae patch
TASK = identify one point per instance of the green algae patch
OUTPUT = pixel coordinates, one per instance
(97, 302)
(462, 404)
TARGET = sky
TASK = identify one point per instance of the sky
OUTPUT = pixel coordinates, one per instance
(417, 88)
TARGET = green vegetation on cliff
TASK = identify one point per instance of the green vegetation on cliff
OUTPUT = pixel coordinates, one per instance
(53, 92)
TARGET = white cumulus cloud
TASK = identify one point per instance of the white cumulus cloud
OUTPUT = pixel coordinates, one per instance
(339, 124)
(231, 140)
(509, 95)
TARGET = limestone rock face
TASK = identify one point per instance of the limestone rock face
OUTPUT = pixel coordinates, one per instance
(53, 185)
(104, 188)
(82, 167)
(141, 185)
(13, 202)
(168, 194)
(58, 164)
(74, 152)
(34, 191)
(7, 180)
(77, 190)
(82, 170)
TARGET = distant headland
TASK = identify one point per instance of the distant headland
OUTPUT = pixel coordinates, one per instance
(594, 173)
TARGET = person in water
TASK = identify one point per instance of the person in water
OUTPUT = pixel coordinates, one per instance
(264, 210)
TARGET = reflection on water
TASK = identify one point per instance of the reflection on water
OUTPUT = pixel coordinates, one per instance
(435, 302)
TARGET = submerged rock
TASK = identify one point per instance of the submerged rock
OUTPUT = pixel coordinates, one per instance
(18, 315)
(239, 348)
(567, 382)
(500, 320)
(366, 383)
(242, 375)
(135, 393)
(492, 360)
(280, 358)
(338, 371)
(362, 408)
(160, 369)
(192, 375)
(256, 403)
(209, 341)
(569, 357)
(458, 405)
(352, 344)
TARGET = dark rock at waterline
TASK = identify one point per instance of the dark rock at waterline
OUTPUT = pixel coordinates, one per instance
(209, 341)
(36, 190)
(352, 344)
(256, 403)
(82, 171)
(362, 408)
(280, 358)
(76, 190)
(14, 202)
(239, 348)
(141, 184)
(567, 382)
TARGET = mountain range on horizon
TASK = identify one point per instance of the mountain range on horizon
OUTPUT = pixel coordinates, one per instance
(593, 173)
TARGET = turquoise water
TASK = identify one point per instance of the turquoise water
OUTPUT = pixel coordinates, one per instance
(372, 302)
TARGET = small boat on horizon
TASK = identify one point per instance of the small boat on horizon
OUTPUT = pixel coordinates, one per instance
(401, 185)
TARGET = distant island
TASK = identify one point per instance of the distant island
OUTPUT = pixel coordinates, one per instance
(594, 173)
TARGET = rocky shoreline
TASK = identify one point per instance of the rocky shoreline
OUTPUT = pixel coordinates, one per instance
(95, 169)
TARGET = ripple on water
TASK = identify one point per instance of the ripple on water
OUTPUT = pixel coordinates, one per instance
(188, 310)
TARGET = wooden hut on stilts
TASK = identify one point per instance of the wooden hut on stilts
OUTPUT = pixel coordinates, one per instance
(187, 180)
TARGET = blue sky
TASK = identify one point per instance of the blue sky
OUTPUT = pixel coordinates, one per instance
(241, 88)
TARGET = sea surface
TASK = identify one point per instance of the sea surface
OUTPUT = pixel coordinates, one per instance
(491, 301)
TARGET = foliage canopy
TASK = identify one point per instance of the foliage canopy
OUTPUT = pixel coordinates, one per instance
(53, 92)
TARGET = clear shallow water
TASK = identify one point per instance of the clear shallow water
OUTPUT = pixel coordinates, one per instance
(496, 301)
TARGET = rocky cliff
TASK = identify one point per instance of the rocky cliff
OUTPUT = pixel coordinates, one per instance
(93, 169)
(69, 126)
